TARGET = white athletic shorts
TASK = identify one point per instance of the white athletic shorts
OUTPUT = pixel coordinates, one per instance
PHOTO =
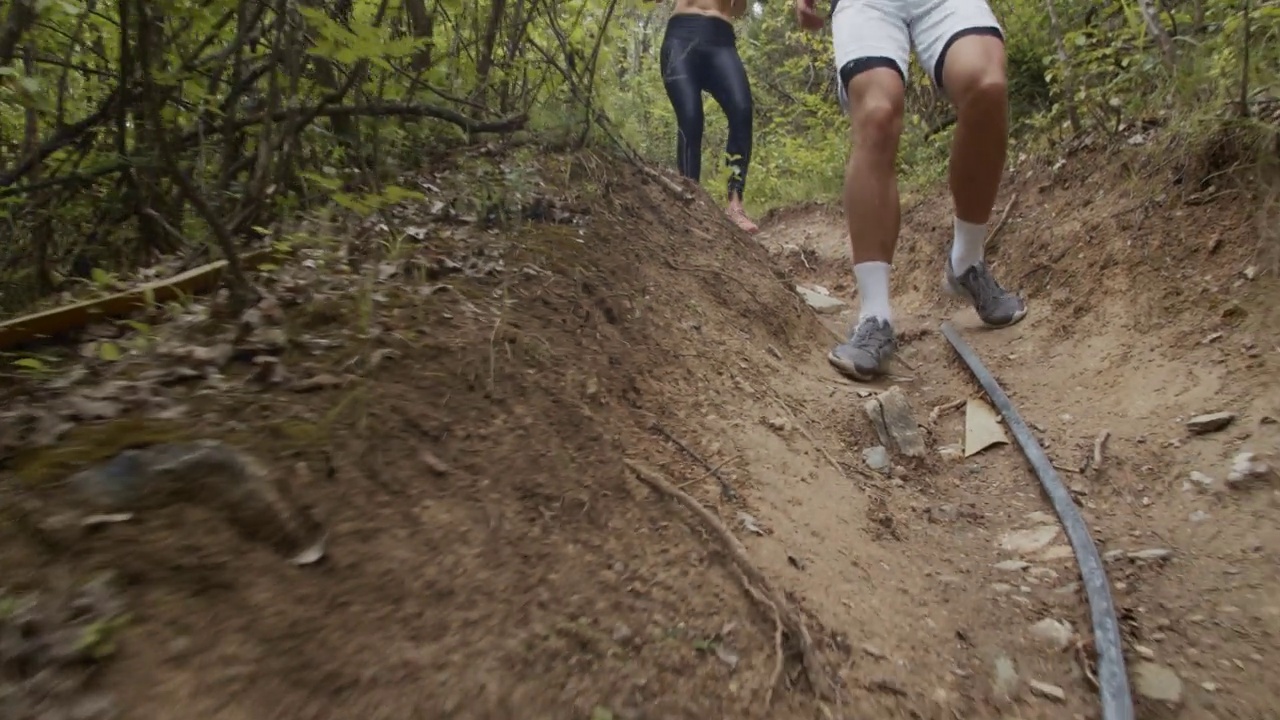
(881, 34)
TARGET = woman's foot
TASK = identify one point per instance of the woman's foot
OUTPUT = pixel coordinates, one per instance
(739, 218)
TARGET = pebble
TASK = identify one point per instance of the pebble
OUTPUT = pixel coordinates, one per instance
(1025, 542)
(876, 457)
(1209, 686)
(1247, 466)
(1157, 682)
(1144, 652)
(1012, 565)
(1152, 554)
(1045, 690)
(1198, 516)
(1201, 479)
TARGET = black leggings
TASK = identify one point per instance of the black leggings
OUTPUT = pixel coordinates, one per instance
(699, 53)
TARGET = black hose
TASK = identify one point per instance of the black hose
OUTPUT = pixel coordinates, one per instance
(1113, 684)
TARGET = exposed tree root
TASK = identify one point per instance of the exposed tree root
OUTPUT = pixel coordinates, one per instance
(756, 584)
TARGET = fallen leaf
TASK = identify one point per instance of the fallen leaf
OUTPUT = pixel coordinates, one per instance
(982, 427)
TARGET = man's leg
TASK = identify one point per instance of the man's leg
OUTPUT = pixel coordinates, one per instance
(872, 47)
(962, 43)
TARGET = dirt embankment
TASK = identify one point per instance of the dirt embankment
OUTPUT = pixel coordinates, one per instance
(464, 401)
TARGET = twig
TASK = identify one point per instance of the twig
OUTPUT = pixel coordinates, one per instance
(725, 488)
(938, 411)
(1098, 445)
(756, 583)
(1004, 217)
(667, 183)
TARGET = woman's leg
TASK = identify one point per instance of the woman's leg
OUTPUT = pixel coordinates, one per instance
(727, 83)
(680, 77)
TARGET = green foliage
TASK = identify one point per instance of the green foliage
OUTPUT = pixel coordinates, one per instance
(133, 130)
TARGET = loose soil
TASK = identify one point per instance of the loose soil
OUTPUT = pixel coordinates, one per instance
(490, 554)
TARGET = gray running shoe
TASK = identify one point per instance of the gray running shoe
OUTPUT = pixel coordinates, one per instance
(996, 306)
(865, 355)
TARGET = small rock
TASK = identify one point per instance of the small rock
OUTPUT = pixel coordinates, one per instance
(1201, 479)
(1209, 686)
(1045, 690)
(1210, 422)
(1248, 466)
(622, 633)
(820, 301)
(780, 424)
(1198, 516)
(1012, 565)
(1157, 682)
(1152, 554)
(1039, 516)
(1144, 652)
(1025, 542)
(1056, 633)
(876, 458)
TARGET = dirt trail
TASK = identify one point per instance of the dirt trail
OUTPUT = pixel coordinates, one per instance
(491, 555)
(1167, 332)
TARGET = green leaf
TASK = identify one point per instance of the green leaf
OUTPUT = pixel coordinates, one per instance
(109, 351)
(100, 276)
(30, 363)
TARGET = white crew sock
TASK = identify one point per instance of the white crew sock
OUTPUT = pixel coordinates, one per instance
(966, 248)
(873, 290)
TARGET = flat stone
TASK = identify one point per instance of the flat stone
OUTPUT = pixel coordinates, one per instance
(1012, 565)
(820, 301)
(1210, 422)
(1057, 552)
(894, 422)
(1025, 542)
(1157, 682)
(1005, 682)
(1056, 633)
